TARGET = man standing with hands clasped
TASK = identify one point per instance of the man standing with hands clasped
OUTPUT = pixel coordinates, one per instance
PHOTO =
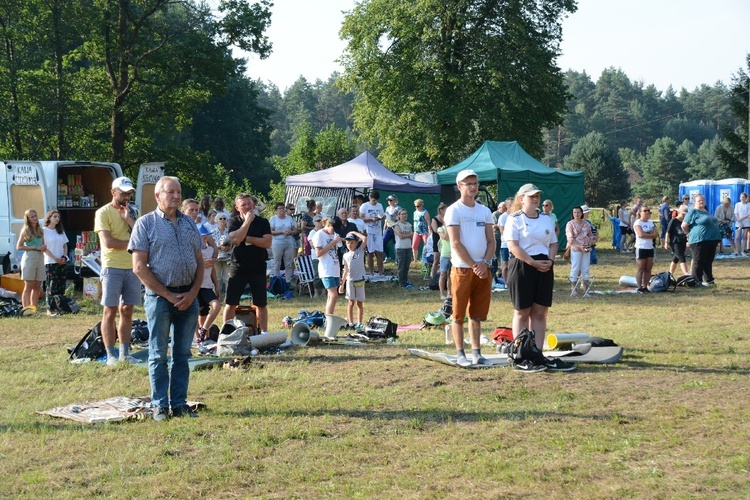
(121, 289)
(472, 247)
(166, 248)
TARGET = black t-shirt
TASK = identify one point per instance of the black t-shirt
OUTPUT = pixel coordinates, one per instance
(675, 232)
(249, 258)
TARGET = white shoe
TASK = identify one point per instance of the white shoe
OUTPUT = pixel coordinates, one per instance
(111, 361)
(128, 359)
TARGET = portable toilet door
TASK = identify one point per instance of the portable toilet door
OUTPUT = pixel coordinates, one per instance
(731, 188)
(694, 188)
(22, 185)
(148, 175)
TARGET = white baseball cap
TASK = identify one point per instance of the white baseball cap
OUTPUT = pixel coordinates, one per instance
(463, 174)
(123, 184)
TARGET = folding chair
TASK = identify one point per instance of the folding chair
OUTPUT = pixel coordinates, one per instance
(306, 274)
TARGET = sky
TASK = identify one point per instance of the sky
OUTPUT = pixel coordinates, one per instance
(683, 43)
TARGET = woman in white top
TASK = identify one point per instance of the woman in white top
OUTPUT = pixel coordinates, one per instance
(284, 247)
(55, 256)
(624, 215)
(532, 244)
(221, 238)
(645, 234)
(325, 243)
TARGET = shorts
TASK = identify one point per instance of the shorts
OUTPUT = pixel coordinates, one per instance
(527, 286)
(504, 254)
(355, 290)
(374, 243)
(678, 249)
(32, 266)
(445, 264)
(120, 286)
(205, 297)
(468, 289)
(644, 253)
(236, 287)
(330, 282)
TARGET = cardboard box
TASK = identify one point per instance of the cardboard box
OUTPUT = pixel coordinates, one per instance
(92, 287)
(12, 282)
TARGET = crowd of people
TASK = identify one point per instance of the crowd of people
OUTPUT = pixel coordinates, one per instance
(192, 256)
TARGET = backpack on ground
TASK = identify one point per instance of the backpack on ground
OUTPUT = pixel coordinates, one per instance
(662, 282)
(63, 305)
(524, 348)
(278, 286)
(380, 328)
(687, 280)
(234, 339)
(91, 346)
(9, 307)
(139, 334)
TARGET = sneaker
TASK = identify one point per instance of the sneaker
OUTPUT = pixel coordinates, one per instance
(160, 414)
(127, 359)
(558, 365)
(462, 361)
(529, 367)
(183, 411)
(111, 361)
(375, 275)
(480, 360)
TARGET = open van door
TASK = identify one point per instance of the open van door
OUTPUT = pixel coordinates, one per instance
(148, 175)
(22, 188)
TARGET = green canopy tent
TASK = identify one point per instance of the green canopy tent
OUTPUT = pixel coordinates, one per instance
(511, 167)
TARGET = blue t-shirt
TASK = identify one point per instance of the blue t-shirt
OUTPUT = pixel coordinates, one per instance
(703, 226)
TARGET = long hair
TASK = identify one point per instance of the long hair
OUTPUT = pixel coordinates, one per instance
(29, 232)
(59, 228)
(517, 203)
(205, 205)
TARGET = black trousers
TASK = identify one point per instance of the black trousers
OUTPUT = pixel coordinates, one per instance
(703, 260)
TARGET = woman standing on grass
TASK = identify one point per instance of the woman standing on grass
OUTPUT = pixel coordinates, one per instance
(676, 240)
(532, 244)
(403, 232)
(56, 256)
(547, 208)
(31, 243)
(325, 242)
(645, 234)
(703, 236)
(421, 227)
(580, 239)
(436, 223)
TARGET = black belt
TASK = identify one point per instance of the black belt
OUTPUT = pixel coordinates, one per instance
(179, 289)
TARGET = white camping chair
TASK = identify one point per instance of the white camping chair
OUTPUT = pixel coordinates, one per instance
(304, 266)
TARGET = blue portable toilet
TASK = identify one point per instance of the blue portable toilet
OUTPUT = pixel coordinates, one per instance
(693, 188)
(727, 187)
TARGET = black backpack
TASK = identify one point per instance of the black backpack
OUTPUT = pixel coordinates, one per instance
(9, 307)
(63, 305)
(139, 333)
(662, 282)
(381, 328)
(524, 348)
(91, 346)
(687, 280)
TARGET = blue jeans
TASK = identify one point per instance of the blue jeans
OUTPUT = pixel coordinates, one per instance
(163, 316)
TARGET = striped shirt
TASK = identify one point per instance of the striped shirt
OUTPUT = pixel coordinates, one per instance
(171, 250)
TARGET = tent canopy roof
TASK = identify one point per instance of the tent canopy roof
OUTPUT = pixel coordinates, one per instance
(364, 171)
(506, 161)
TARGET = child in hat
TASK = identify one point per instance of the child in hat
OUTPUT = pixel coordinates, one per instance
(353, 280)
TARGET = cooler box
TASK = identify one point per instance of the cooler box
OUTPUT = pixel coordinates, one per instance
(92, 287)
(12, 282)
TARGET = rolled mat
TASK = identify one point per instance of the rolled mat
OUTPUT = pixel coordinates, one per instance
(628, 281)
(267, 340)
(559, 340)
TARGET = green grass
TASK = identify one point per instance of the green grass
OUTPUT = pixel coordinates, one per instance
(669, 420)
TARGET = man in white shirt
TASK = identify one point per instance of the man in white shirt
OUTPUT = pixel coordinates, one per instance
(472, 246)
(354, 218)
(372, 215)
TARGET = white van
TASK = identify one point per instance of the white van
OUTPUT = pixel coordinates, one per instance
(75, 188)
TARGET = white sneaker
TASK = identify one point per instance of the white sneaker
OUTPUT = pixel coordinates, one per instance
(128, 359)
(462, 361)
(111, 361)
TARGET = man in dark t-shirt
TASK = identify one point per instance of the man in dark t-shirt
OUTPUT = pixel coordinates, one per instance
(250, 236)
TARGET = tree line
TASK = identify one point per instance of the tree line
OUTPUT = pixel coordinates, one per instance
(423, 85)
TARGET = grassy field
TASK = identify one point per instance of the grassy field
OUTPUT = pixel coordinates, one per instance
(669, 420)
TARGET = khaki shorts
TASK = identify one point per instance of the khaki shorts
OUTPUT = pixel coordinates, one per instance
(32, 266)
(468, 289)
(355, 290)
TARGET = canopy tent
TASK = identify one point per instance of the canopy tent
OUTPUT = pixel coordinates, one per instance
(362, 174)
(511, 167)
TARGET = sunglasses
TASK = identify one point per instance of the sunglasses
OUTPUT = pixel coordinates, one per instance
(546, 205)
(647, 211)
